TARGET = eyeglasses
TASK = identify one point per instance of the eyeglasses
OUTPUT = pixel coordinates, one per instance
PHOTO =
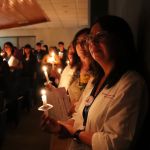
(82, 42)
(98, 37)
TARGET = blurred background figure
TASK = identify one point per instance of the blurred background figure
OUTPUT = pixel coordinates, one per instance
(28, 76)
(62, 53)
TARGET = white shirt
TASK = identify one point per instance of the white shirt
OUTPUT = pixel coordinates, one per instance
(13, 62)
(66, 77)
(114, 114)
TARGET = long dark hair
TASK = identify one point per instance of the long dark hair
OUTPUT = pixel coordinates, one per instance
(120, 43)
(10, 45)
(75, 56)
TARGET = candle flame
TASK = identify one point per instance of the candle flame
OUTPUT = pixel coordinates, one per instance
(43, 91)
(67, 62)
(52, 54)
(51, 60)
(2, 53)
(59, 70)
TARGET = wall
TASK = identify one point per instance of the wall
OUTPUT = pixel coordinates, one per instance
(49, 36)
(137, 14)
(98, 9)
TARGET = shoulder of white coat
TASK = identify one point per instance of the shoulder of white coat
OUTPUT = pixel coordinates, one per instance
(132, 77)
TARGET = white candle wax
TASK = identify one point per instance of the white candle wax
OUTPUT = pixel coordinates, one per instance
(46, 74)
(44, 99)
(59, 70)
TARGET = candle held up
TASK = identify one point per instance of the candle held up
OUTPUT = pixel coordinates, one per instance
(44, 97)
(44, 100)
(59, 70)
(45, 107)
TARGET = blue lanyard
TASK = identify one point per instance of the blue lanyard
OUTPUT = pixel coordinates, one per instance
(92, 95)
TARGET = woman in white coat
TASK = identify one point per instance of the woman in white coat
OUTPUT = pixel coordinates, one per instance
(111, 117)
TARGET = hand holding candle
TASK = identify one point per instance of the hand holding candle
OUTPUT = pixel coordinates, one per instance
(45, 107)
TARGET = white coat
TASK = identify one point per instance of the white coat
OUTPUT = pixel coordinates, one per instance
(115, 114)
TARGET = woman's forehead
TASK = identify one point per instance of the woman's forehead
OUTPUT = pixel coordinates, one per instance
(81, 36)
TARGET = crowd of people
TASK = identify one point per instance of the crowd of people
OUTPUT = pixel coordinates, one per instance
(22, 77)
(100, 72)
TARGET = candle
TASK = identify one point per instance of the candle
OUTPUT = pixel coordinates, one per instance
(46, 74)
(44, 97)
(67, 62)
(44, 100)
(60, 54)
(59, 70)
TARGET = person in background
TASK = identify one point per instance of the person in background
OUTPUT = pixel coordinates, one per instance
(39, 54)
(14, 83)
(113, 114)
(4, 76)
(18, 53)
(13, 62)
(62, 53)
(52, 61)
(28, 75)
(46, 60)
(45, 48)
(66, 76)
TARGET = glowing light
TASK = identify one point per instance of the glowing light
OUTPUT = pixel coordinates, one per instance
(67, 62)
(44, 97)
(46, 74)
(59, 70)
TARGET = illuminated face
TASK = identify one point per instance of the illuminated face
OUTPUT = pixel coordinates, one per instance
(27, 50)
(7, 49)
(97, 44)
(61, 47)
(81, 46)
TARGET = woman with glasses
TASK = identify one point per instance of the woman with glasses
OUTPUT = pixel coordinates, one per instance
(112, 115)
